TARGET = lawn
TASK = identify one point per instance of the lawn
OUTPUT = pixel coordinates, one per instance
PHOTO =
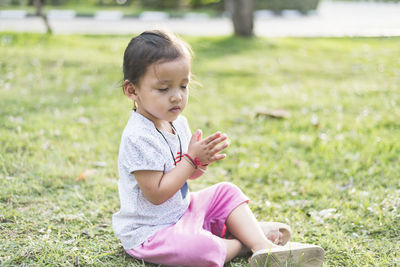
(330, 169)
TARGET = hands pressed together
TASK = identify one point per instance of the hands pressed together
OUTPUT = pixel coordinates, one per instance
(158, 186)
(207, 150)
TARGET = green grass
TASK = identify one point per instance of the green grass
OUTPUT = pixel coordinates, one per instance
(63, 111)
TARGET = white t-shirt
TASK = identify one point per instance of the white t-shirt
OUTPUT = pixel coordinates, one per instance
(144, 148)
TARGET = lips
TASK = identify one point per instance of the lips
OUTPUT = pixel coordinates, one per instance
(175, 109)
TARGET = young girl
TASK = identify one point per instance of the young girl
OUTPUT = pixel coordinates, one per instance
(160, 220)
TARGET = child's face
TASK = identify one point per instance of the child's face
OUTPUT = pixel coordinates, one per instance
(163, 91)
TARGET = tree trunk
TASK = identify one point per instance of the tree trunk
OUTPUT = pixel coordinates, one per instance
(39, 12)
(242, 16)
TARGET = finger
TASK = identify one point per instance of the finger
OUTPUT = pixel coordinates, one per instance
(211, 137)
(219, 148)
(195, 136)
(217, 157)
(215, 142)
(199, 136)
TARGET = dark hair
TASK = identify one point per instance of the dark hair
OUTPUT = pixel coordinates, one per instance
(148, 48)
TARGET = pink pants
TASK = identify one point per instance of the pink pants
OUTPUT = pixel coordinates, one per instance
(197, 238)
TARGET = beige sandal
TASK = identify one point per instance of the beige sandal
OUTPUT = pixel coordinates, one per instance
(272, 228)
(292, 254)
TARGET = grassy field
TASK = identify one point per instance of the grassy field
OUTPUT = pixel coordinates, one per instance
(330, 169)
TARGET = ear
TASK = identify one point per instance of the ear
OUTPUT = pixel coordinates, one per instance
(130, 90)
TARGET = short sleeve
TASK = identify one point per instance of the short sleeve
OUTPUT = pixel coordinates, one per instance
(142, 153)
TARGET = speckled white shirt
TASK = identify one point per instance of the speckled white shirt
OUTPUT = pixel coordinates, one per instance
(143, 148)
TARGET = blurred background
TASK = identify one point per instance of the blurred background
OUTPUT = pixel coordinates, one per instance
(205, 17)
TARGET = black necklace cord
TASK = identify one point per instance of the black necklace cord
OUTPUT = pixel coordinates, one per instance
(170, 150)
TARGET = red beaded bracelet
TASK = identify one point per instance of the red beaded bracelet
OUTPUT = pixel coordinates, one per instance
(190, 162)
(196, 162)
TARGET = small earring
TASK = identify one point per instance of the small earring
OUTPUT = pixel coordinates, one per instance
(134, 105)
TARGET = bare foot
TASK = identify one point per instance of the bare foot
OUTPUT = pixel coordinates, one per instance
(278, 233)
(275, 237)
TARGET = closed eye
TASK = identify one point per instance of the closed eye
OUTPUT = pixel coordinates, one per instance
(163, 89)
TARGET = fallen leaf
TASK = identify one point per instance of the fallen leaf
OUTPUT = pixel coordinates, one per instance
(273, 113)
(323, 214)
(85, 174)
(315, 121)
(298, 163)
(346, 186)
(87, 233)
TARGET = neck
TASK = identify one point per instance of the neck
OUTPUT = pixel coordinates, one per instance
(162, 125)
(165, 126)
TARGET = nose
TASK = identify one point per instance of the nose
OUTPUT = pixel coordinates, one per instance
(176, 96)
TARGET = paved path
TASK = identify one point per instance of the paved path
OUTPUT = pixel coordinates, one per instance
(331, 19)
